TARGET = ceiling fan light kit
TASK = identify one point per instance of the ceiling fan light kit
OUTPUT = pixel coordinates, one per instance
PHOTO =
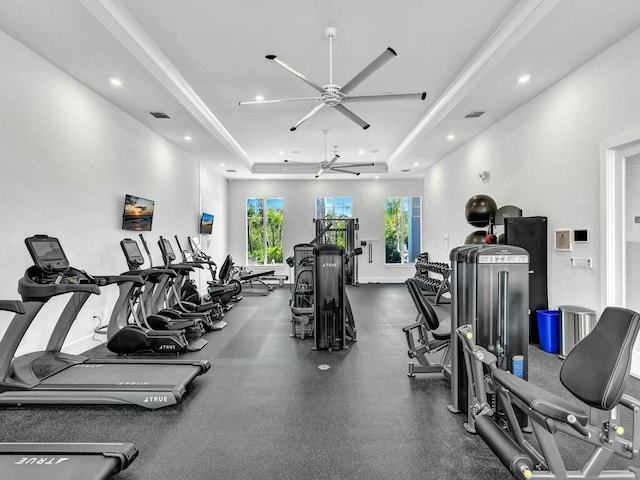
(335, 96)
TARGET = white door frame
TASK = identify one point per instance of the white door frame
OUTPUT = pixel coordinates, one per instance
(613, 154)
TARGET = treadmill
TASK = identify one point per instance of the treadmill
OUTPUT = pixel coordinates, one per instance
(64, 461)
(53, 377)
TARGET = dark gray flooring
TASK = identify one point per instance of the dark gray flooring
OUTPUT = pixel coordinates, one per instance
(266, 411)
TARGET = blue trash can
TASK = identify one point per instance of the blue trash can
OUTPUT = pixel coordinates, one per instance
(549, 329)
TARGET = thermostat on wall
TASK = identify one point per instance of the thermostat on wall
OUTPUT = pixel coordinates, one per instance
(581, 236)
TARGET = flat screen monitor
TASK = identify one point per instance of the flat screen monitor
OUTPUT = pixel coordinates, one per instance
(138, 213)
(47, 254)
(206, 223)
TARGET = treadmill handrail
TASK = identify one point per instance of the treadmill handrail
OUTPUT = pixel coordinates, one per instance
(104, 280)
(15, 306)
(31, 290)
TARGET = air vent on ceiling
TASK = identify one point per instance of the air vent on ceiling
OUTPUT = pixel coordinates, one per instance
(159, 114)
(231, 171)
(405, 170)
(474, 114)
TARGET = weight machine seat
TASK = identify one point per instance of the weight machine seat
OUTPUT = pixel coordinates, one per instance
(441, 330)
(597, 369)
(538, 399)
(251, 276)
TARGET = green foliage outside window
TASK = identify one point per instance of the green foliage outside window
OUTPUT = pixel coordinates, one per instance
(335, 209)
(264, 231)
(402, 219)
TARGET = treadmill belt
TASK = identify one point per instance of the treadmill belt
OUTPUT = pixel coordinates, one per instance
(121, 376)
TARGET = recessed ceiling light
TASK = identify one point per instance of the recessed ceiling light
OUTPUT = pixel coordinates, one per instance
(524, 78)
(116, 82)
(451, 136)
(416, 164)
(281, 152)
(222, 164)
(187, 138)
(259, 98)
(377, 177)
(360, 152)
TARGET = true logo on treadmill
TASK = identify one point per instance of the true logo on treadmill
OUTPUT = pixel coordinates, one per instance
(160, 399)
(41, 460)
(332, 265)
(133, 383)
(168, 347)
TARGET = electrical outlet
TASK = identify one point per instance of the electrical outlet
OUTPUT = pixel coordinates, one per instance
(581, 263)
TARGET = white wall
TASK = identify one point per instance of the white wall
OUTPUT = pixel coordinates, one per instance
(299, 211)
(213, 199)
(68, 158)
(544, 158)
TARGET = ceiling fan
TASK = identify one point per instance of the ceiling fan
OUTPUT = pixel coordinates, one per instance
(331, 164)
(335, 96)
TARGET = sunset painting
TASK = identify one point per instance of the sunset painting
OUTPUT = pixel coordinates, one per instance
(138, 213)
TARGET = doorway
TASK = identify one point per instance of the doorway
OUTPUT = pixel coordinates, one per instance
(620, 234)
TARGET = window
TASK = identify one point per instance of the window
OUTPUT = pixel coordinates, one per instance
(330, 207)
(402, 229)
(264, 231)
(336, 210)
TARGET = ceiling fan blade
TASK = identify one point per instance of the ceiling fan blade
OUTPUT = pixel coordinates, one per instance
(295, 72)
(279, 100)
(307, 116)
(356, 165)
(351, 116)
(386, 96)
(383, 58)
(328, 166)
(333, 160)
(296, 162)
(341, 170)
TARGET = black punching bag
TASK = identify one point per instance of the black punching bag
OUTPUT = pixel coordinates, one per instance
(530, 233)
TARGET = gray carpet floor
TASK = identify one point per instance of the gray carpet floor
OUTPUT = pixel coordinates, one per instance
(265, 410)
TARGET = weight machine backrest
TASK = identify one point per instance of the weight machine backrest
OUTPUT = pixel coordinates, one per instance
(597, 369)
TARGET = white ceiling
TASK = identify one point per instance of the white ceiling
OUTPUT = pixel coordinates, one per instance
(196, 60)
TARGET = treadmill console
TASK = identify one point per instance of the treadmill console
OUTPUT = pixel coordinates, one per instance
(47, 254)
(132, 253)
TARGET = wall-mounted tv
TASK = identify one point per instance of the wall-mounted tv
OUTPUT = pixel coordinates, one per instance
(206, 223)
(138, 213)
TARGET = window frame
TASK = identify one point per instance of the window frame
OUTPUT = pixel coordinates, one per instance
(264, 201)
(409, 200)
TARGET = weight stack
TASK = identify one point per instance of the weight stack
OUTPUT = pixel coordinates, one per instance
(329, 332)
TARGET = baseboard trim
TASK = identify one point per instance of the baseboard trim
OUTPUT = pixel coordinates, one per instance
(82, 344)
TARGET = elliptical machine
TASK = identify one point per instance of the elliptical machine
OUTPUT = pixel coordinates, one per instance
(145, 310)
(206, 311)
